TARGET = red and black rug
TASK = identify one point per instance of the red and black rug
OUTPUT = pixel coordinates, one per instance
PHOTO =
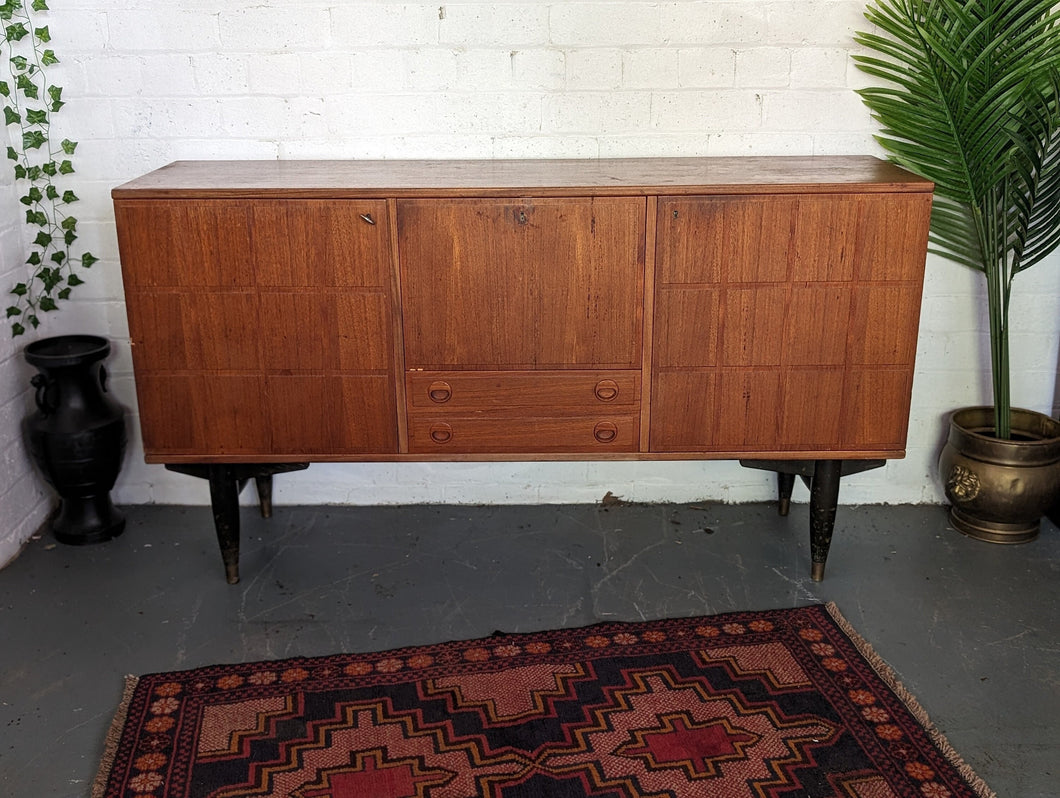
(781, 704)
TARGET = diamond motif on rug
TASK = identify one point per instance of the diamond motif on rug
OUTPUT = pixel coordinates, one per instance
(781, 704)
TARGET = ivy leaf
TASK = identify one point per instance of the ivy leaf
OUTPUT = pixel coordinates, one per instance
(20, 290)
(36, 117)
(56, 93)
(69, 223)
(17, 329)
(33, 174)
(47, 303)
(42, 240)
(58, 257)
(87, 260)
(36, 217)
(16, 32)
(19, 63)
(11, 154)
(34, 321)
(64, 293)
(43, 34)
(33, 195)
(34, 259)
(68, 146)
(51, 192)
(49, 168)
(11, 116)
(20, 172)
(4, 88)
(48, 57)
(40, 5)
(66, 168)
(26, 85)
(33, 139)
(73, 279)
(69, 196)
(13, 311)
(69, 237)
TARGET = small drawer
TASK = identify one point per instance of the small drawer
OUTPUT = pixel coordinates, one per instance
(519, 391)
(492, 434)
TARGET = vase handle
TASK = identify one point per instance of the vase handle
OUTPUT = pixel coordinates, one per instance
(43, 386)
(103, 377)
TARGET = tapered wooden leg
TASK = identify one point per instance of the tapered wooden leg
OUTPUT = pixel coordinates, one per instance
(264, 484)
(824, 498)
(224, 497)
(785, 485)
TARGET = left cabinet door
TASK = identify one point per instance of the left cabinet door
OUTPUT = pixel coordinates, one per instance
(261, 329)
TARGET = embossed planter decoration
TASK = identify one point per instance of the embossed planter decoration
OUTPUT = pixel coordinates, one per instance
(77, 435)
(999, 489)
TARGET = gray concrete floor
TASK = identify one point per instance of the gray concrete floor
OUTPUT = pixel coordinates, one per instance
(972, 629)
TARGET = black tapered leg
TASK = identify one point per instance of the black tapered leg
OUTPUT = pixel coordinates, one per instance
(224, 498)
(785, 485)
(264, 484)
(824, 498)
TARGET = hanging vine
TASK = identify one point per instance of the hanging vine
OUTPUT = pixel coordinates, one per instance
(30, 100)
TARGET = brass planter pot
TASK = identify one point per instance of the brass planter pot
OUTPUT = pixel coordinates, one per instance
(999, 489)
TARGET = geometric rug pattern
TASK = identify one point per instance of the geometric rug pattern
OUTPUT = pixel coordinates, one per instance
(777, 704)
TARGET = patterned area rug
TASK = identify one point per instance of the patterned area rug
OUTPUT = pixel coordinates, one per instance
(781, 704)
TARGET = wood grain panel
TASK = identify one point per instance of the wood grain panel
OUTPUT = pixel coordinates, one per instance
(319, 243)
(747, 410)
(825, 239)
(187, 243)
(754, 325)
(730, 239)
(684, 412)
(316, 415)
(686, 326)
(221, 414)
(893, 237)
(489, 433)
(876, 407)
(884, 324)
(363, 331)
(816, 326)
(811, 409)
(480, 287)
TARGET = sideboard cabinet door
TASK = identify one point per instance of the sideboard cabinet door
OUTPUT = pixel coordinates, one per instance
(786, 323)
(260, 328)
(522, 283)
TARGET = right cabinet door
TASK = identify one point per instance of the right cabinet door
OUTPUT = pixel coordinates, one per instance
(786, 323)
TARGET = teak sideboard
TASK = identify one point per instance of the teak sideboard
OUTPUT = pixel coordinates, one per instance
(760, 309)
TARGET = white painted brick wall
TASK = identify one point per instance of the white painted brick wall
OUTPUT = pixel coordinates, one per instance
(150, 83)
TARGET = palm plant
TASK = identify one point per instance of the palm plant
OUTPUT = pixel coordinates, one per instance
(972, 102)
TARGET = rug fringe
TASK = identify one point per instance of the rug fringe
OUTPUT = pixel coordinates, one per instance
(885, 672)
(110, 747)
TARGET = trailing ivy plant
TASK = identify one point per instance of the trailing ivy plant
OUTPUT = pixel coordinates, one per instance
(30, 100)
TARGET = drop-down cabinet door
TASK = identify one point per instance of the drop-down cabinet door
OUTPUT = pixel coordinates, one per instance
(786, 323)
(522, 323)
(260, 329)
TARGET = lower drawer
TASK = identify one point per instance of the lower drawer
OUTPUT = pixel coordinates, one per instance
(491, 434)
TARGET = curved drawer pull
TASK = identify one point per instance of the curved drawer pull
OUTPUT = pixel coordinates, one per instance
(606, 390)
(368, 218)
(439, 392)
(441, 433)
(605, 432)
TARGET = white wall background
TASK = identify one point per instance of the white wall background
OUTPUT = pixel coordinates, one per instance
(148, 83)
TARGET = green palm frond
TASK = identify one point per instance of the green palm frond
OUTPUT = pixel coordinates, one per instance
(969, 97)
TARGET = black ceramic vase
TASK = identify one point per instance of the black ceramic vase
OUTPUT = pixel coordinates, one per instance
(77, 435)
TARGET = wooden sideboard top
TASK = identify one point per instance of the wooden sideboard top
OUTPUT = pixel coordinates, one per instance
(456, 178)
